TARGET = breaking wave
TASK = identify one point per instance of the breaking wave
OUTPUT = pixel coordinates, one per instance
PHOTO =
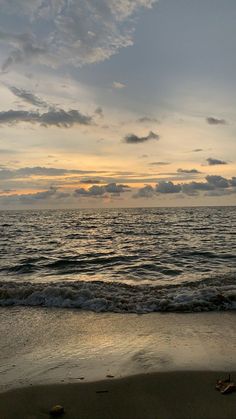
(209, 294)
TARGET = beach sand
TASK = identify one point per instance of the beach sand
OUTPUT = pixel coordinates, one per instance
(164, 365)
(169, 395)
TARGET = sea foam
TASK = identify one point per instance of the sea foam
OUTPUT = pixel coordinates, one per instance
(209, 294)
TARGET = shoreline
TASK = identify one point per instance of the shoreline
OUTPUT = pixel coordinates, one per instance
(161, 395)
(46, 346)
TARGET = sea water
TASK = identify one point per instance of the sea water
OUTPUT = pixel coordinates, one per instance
(120, 260)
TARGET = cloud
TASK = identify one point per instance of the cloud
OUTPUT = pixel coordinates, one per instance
(193, 188)
(73, 32)
(134, 139)
(113, 188)
(90, 181)
(118, 85)
(40, 195)
(145, 119)
(190, 171)
(233, 181)
(97, 191)
(214, 162)
(215, 121)
(196, 150)
(25, 48)
(167, 188)
(214, 186)
(217, 181)
(28, 97)
(25, 172)
(6, 151)
(212, 183)
(53, 117)
(146, 192)
(159, 163)
(99, 111)
(30, 198)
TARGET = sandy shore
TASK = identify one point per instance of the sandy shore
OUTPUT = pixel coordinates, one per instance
(41, 346)
(169, 395)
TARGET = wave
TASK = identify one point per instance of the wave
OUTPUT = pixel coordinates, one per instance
(209, 294)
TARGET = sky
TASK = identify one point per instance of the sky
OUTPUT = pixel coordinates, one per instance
(117, 103)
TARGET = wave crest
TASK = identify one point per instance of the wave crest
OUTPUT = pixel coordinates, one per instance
(205, 295)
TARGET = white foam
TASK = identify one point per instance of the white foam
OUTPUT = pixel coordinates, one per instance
(206, 295)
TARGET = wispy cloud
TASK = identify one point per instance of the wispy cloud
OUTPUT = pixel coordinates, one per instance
(25, 172)
(28, 97)
(159, 163)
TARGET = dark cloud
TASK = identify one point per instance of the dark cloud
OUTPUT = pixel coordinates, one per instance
(66, 119)
(114, 188)
(212, 183)
(159, 163)
(28, 97)
(146, 192)
(40, 195)
(197, 150)
(54, 117)
(32, 197)
(214, 186)
(190, 171)
(90, 181)
(134, 139)
(193, 188)
(214, 162)
(218, 181)
(215, 121)
(96, 191)
(145, 119)
(167, 187)
(233, 181)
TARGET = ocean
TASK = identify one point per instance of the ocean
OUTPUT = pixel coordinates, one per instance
(119, 260)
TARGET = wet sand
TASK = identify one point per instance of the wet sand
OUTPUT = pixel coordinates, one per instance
(48, 346)
(163, 395)
(164, 365)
